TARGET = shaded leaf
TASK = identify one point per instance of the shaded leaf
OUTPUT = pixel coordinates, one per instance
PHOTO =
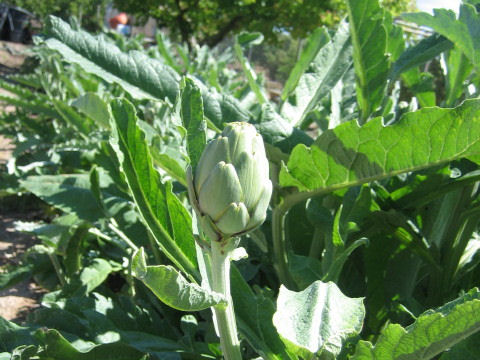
(12, 335)
(254, 318)
(70, 193)
(420, 53)
(58, 348)
(16, 275)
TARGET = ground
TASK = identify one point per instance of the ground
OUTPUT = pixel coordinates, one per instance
(17, 301)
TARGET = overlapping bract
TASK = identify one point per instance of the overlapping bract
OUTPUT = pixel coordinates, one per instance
(231, 190)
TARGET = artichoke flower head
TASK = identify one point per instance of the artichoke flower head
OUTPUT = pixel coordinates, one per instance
(230, 189)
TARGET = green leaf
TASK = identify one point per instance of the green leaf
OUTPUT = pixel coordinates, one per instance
(277, 131)
(70, 193)
(172, 288)
(12, 335)
(304, 269)
(57, 347)
(249, 73)
(423, 51)
(350, 155)
(462, 32)
(168, 157)
(18, 274)
(163, 348)
(165, 52)
(162, 212)
(421, 84)
(139, 75)
(466, 349)
(94, 275)
(94, 177)
(249, 38)
(94, 107)
(328, 67)
(319, 318)
(170, 165)
(458, 69)
(315, 42)
(254, 318)
(433, 332)
(369, 39)
(73, 253)
(33, 106)
(395, 38)
(70, 116)
(25, 99)
(340, 258)
(192, 118)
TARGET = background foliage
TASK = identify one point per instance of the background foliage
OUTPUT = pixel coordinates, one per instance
(89, 12)
(375, 207)
(208, 22)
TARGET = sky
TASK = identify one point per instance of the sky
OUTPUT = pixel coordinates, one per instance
(429, 5)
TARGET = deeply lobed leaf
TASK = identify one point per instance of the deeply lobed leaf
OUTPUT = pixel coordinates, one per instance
(433, 332)
(350, 155)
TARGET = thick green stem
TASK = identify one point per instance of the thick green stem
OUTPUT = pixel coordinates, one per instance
(224, 314)
(280, 249)
(317, 244)
(57, 268)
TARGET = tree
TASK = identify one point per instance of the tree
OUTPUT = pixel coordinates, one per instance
(88, 12)
(209, 21)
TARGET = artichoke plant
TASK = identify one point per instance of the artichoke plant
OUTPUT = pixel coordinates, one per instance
(230, 190)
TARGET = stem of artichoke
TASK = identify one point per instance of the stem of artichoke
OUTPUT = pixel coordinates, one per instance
(224, 314)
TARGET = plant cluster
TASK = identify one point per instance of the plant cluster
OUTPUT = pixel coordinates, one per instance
(153, 168)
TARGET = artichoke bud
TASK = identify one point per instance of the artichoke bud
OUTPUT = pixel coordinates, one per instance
(230, 189)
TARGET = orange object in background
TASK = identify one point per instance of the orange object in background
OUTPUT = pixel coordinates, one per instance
(121, 18)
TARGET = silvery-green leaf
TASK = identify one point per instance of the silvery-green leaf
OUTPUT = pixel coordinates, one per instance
(171, 287)
(220, 190)
(319, 318)
(234, 220)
